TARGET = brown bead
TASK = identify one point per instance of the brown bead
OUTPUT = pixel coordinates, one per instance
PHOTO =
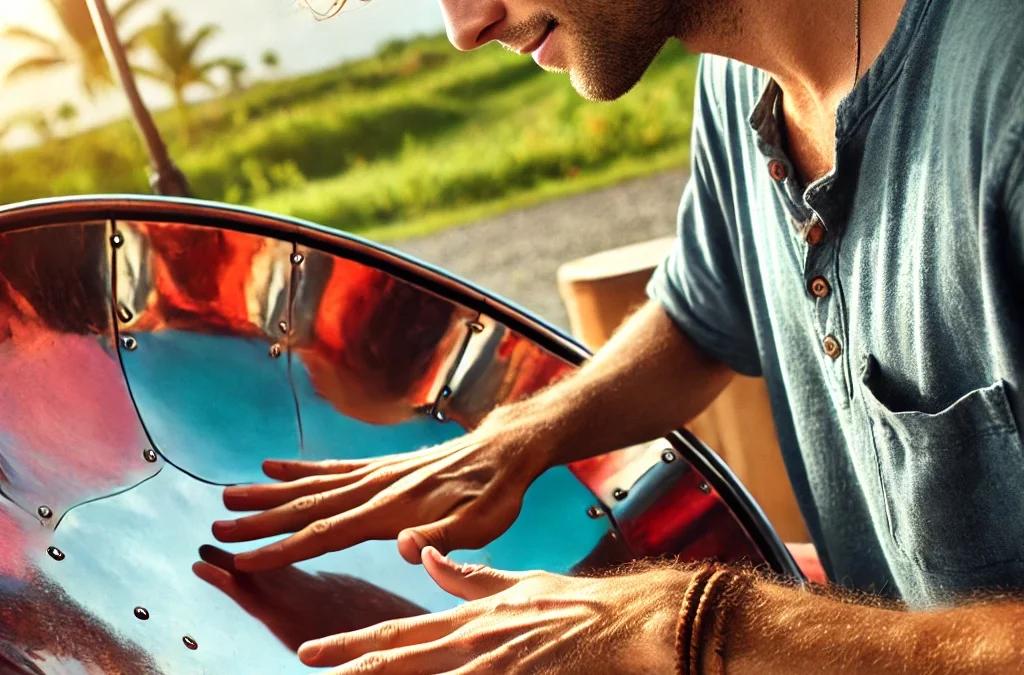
(777, 170)
(819, 287)
(831, 347)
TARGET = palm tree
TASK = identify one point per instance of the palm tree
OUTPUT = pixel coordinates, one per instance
(177, 61)
(236, 74)
(270, 59)
(79, 46)
(66, 114)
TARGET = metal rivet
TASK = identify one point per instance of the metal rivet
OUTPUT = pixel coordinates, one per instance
(129, 343)
(595, 512)
(620, 494)
(149, 454)
(283, 327)
(141, 613)
(55, 553)
(297, 258)
(668, 456)
(124, 314)
(704, 487)
(190, 642)
(446, 392)
(275, 350)
(44, 511)
(476, 326)
(116, 240)
(440, 416)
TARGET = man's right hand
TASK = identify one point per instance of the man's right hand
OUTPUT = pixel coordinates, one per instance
(462, 494)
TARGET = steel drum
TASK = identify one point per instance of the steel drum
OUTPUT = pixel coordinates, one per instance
(153, 351)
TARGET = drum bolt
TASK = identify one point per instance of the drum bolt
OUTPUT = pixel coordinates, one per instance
(45, 511)
(275, 350)
(55, 553)
(595, 512)
(149, 454)
(620, 494)
(124, 314)
(141, 613)
(297, 258)
(116, 240)
(190, 642)
(129, 343)
(668, 456)
(704, 487)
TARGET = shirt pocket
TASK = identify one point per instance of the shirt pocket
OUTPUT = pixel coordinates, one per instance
(952, 481)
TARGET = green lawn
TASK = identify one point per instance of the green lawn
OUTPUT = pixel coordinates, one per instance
(417, 138)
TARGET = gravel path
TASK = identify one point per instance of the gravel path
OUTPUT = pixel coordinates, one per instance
(517, 254)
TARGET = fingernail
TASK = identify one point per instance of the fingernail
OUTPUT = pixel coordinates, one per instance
(309, 651)
(224, 526)
(421, 541)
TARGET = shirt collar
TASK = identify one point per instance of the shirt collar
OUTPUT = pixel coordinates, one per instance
(865, 95)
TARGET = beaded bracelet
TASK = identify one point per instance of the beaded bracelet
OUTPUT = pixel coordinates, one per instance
(712, 592)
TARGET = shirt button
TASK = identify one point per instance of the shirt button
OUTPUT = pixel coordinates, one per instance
(819, 287)
(832, 348)
(777, 170)
(815, 233)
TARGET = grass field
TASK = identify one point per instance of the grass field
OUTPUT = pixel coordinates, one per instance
(414, 139)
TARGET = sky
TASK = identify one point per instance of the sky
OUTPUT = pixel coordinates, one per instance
(248, 28)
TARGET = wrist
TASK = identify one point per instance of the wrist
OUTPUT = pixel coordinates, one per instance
(524, 436)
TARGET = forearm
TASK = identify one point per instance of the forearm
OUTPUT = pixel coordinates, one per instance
(648, 380)
(782, 630)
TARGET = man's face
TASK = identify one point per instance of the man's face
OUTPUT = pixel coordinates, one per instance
(604, 45)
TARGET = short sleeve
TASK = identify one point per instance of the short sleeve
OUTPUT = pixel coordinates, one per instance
(699, 284)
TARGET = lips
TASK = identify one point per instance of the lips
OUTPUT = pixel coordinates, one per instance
(539, 40)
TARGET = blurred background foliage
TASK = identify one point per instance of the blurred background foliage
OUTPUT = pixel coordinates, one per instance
(415, 138)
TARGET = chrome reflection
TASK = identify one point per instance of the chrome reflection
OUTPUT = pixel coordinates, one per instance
(369, 355)
(69, 436)
(239, 346)
(656, 503)
(197, 312)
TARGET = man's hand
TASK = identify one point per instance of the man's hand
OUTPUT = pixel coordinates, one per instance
(298, 606)
(462, 494)
(518, 623)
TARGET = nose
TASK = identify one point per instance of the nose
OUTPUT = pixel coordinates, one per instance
(467, 21)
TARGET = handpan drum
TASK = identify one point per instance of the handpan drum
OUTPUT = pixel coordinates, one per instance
(153, 351)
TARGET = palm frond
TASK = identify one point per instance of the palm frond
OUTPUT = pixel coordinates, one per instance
(151, 74)
(125, 9)
(29, 35)
(202, 35)
(34, 65)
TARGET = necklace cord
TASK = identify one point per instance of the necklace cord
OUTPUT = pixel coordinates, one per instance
(856, 33)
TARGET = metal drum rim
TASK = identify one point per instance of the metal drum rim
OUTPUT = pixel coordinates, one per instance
(61, 210)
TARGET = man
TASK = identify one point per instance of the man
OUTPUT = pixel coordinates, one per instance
(853, 231)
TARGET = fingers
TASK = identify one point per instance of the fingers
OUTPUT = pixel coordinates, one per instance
(323, 536)
(389, 635)
(469, 582)
(297, 514)
(268, 496)
(417, 660)
(217, 557)
(284, 469)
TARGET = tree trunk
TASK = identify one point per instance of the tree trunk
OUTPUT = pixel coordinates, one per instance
(165, 177)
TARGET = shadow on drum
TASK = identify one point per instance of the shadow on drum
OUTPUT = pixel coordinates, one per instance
(153, 351)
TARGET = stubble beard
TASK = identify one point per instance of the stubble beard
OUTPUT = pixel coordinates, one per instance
(615, 49)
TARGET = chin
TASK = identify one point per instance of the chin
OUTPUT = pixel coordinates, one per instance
(601, 89)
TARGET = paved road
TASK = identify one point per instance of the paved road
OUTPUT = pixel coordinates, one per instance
(517, 254)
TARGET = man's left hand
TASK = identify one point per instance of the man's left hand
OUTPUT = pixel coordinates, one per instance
(518, 623)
